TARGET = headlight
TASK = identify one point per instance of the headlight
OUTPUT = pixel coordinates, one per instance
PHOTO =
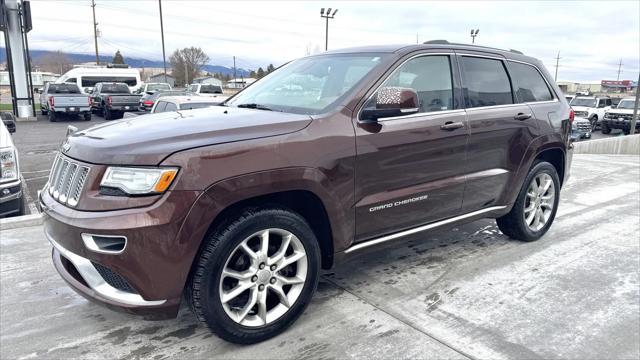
(139, 181)
(8, 165)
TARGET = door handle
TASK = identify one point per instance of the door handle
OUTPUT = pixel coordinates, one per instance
(450, 125)
(522, 116)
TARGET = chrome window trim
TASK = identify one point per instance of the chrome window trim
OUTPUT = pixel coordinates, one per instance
(90, 243)
(493, 107)
(419, 115)
(95, 281)
(449, 54)
(418, 229)
(549, 87)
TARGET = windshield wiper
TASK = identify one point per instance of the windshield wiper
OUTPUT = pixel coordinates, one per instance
(254, 106)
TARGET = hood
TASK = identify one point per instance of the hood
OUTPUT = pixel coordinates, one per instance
(581, 108)
(148, 139)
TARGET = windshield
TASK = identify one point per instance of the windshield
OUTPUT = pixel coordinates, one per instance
(210, 89)
(309, 85)
(115, 89)
(583, 102)
(156, 87)
(626, 104)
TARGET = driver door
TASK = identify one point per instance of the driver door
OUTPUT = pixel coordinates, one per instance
(410, 169)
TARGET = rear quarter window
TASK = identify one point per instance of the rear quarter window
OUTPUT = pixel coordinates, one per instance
(160, 107)
(486, 82)
(528, 83)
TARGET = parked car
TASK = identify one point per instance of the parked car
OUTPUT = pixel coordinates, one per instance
(147, 100)
(11, 195)
(580, 129)
(569, 98)
(175, 103)
(86, 77)
(9, 121)
(591, 108)
(150, 88)
(205, 89)
(113, 99)
(620, 117)
(67, 99)
(238, 207)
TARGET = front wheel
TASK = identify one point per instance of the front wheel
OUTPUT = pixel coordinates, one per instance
(594, 122)
(255, 275)
(536, 205)
(605, 128)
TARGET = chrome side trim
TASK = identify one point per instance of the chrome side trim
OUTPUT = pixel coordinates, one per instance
(95, 281)
(418, 229)
(487, 173)
(90, 243)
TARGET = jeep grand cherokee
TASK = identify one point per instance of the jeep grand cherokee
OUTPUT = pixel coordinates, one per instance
(239, 206)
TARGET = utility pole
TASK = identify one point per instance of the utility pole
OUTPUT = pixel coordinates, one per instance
(164, 58)
(327, 16)
(95, 30)
(557, 64)
(417, 41)
(619, 69)
(634, 118)
(234, 68)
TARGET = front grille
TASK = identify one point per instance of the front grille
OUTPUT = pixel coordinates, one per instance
(581, 113)
(113, 279)
(583, 126)
(66, 180)
(619, 116)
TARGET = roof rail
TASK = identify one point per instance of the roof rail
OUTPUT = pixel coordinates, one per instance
(516, 51)
(436, 42)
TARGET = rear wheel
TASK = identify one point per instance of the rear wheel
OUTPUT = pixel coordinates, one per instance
(106, 113)
(605, 128)
(52, 116)
(255, 275)
(43, 111)
(87, 116)
(536, 205)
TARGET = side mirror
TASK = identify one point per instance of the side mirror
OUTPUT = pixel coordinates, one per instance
(392, 101)
(89, 91)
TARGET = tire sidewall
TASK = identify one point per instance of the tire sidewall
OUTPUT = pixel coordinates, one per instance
(211, 306)
(538, 168)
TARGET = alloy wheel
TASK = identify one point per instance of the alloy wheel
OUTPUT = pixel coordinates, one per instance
(539, 202)
(263, 277)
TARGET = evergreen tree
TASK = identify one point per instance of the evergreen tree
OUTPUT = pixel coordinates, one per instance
(270, 68)
(260, 73)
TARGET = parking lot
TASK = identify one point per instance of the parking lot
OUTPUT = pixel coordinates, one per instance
(468, 292)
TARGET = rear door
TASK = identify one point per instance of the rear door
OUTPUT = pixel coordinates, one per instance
(500, 130)
(409, 170)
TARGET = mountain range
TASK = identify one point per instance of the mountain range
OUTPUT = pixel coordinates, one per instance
(77, 58)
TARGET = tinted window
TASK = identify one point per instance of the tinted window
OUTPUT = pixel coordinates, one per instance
(486, 82)
(170, 107)
(430, 77)
(191, 106)
(115, 89)
(63, 89)
(71, 80)
(210, 89)
(528, 84)
(160, 107)
(89, 81)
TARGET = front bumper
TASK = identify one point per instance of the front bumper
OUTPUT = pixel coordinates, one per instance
(123, 107)
(619, 124)
(153, 266)
(11, 198)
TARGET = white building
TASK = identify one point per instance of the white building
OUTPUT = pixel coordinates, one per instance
(39, 78)
(209, 80)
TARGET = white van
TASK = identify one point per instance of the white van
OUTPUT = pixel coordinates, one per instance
(87, 77)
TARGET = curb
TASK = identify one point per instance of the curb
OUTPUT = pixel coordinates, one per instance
(21, 221)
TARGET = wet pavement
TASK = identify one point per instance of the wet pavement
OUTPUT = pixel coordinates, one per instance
(466, 292)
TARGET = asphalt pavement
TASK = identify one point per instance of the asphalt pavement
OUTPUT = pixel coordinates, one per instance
(466, 292)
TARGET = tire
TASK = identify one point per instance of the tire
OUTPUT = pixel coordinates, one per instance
(107, 114)
(594, 122)
(626, 131)
(87, 116)
(43, 111)
(514, 224)
(52, 116)
(222, 248)
(605, 128)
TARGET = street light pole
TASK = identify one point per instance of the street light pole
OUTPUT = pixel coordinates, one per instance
(164, 58)
(474, 33)
(327, 16)
(634, 118)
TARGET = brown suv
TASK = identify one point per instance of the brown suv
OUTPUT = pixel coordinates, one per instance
(239, 206)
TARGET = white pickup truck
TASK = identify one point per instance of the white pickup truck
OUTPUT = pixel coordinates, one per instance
(57, 99)
(208, 90)
(591, 108)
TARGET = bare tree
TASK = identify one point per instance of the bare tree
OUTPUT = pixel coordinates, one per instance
(189, 62)
(55, 62)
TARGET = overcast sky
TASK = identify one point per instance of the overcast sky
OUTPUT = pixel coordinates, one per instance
(592, 36)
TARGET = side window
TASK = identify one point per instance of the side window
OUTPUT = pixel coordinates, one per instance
(430, 77)
(71, 80)
(170, 107)
(160, 107)
(601, 103)
(528, 84)
(486, 82)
